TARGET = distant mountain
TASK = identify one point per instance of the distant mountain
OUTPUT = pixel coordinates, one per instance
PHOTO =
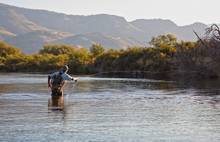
(15, 22)
(29, 29)
(33, 41)
(156, 27)
(86, 40)
(186, 32)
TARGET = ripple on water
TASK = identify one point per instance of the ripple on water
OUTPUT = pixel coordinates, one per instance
(108, 110)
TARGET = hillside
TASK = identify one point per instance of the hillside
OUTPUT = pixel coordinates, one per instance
(33, 41)
(29, 29)
(5, 34)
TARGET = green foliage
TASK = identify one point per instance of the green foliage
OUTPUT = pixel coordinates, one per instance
(57, 49)
(167, 56)
(2, 63)
(55, 56)
(106, 61)
(97, 50)
(130, 59)
(163, 40)
(79, 61)
(7, 49)
(47, 62)
(16, 62)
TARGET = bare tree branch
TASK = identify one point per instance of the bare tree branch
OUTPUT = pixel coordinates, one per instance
(200, 39)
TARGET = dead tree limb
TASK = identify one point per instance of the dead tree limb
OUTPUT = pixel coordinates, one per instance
(214, 32)
(201, 40)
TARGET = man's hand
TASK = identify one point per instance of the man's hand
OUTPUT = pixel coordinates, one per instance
(75, 79)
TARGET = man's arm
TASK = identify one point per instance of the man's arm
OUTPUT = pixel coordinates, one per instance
(68, 77)
(48, 82)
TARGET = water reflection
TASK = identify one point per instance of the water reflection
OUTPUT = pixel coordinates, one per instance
(96, 109)
(208, 96)
(56, 103)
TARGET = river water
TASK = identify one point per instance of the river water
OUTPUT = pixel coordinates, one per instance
(109, 110)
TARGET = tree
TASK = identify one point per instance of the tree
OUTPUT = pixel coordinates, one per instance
(106, 61)
(7, 50)
(57, 49)
(79, 61)
(163, 40)
(97, 50)
(214, 32)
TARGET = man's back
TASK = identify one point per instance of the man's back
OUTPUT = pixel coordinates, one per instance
(56, 81)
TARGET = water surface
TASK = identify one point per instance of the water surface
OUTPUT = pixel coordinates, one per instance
(107, 110)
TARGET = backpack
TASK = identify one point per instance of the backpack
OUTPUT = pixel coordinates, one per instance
(57, 79)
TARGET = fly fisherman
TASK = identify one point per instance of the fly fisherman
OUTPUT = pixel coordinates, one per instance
(56, 81)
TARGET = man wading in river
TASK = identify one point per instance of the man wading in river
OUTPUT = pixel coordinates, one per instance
(57, 80)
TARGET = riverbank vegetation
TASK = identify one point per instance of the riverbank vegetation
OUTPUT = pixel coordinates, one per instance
(166, 57)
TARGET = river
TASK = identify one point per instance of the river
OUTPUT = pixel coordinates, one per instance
(109, 110)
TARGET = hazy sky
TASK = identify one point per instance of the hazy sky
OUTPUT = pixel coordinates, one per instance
(181, 12)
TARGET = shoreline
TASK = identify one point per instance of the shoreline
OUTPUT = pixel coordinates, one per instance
(169, 76)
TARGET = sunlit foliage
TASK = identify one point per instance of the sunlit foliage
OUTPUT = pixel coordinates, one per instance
(164, 40)
(6, 49)
(166, 55)
(97, 50)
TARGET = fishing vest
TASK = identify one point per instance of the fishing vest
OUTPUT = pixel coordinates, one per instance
(57, 79)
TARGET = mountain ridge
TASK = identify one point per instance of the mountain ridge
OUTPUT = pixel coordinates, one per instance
(43, 26)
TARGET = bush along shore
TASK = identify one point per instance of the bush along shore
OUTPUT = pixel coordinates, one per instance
(165, 58)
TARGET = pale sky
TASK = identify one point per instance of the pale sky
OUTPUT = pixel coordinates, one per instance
(182, 12)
